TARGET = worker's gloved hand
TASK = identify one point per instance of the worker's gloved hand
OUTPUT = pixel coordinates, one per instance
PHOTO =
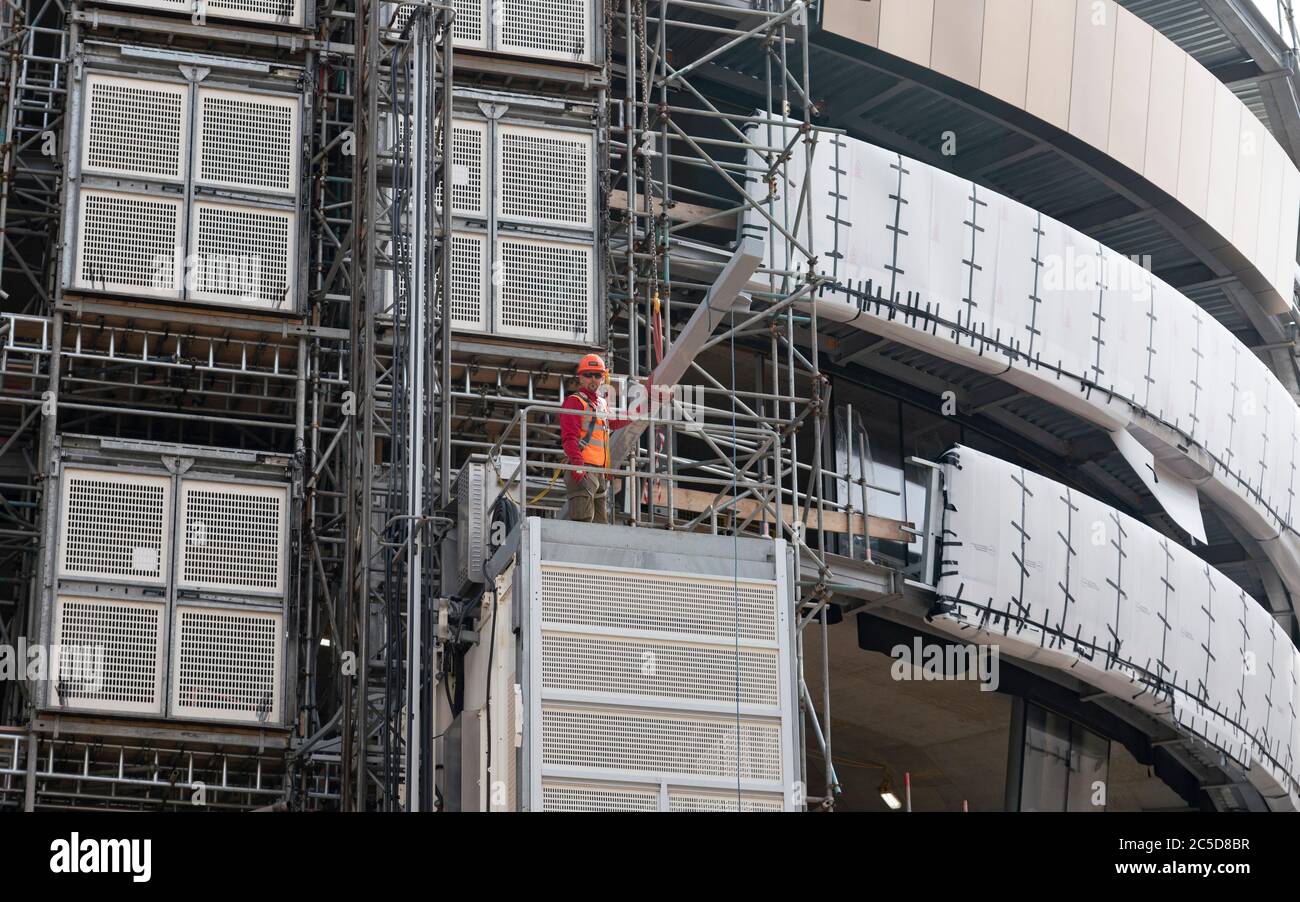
(578, 475)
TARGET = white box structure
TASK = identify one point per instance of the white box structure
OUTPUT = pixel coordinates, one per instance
(652, 671)
(185, 190)
(170, 584)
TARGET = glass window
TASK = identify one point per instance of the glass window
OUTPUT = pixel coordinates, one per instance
(1063, 764)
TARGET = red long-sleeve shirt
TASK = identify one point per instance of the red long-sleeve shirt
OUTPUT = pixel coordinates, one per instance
(571, 426)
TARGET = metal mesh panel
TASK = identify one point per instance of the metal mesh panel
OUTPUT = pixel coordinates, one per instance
(551, 28)
(134, 127)
(682, 801)
(661, 743)
(225, 664)
(468, 151)
(467, 31)
(469, 281)
(233, 536)
(114, 526)
(108, 654)
(545, 176)
(283, 12)
(128, 242)
(576, 797)
(545, 289)
(242, 255)
(629, 666)
(247, 140)
(659, 603)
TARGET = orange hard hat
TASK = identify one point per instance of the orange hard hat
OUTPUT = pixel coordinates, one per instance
(592, 363)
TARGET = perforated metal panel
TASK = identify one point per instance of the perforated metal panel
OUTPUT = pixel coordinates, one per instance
(226, 664)
(647, 684)
(545, 289)
(247, 140)
(544, 176)
(129, 243)
(579, 797)
(469, 283)
(280, 12)
(661, 669)
(242, 255)
(468, 30)
(114, 526)
(554, 29)
(682, 801)
(686, 745)
(468, 168)
(658, 602)
(276, 12)
(234, 537)
(110, 656)
(132, 126)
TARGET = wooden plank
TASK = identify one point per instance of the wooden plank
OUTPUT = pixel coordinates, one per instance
(697, 501)
(678, 212)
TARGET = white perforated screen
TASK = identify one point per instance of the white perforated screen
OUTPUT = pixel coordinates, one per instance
(247, 140)
(558, 29)
(545, 289)
(544, 176)
(696, 801)
(134, 127)
(114, 526)
(128, 242)
(671, 744)
(468, 166)
(658, 602)
(660, 669)
(468, 31)
(558, 796)
(234, 537)
(469, 281)
(280, 12)
(242, 255)
(276, 12)
(109, 657)
(225, 664)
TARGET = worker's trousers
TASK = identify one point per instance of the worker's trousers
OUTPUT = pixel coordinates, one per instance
(586, 499)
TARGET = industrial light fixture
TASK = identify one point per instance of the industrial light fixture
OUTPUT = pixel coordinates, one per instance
(888, 795)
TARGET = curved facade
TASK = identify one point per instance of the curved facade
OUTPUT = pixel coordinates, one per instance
(940, 264)
(1099, 73)
(1060, 578)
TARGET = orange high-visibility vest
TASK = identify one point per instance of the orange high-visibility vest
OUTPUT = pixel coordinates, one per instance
(595, 434)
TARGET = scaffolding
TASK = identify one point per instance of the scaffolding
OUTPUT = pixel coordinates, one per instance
(381, 400)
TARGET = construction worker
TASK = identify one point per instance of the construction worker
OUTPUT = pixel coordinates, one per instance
(585, 436)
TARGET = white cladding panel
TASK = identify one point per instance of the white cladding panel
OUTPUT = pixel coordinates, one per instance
(1058, 577)
(932, 261)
